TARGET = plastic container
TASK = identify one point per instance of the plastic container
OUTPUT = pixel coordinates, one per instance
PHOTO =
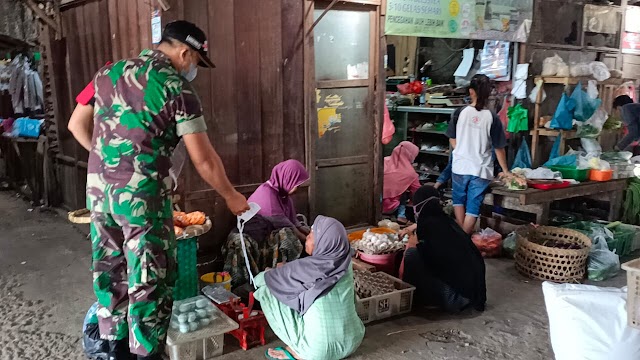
(187, 281)
(218, 278)
(383, 306)
(633, 292)
(550, 186)
(382, 262)
(601, 175)
(571, 172)
(624, 237)
(207, 340)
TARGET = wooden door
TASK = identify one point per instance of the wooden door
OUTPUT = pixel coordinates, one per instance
(344, 133)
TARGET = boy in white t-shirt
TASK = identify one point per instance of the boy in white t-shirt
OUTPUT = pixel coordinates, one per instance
(474, 132)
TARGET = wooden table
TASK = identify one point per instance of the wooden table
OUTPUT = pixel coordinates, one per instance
(538, 202)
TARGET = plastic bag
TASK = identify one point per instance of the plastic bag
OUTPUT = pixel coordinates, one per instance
(550, 65)
(589, 322)
(93, 346)
(568, 160)
(518, 119)
(580, 70)
(26, 127)
(533, 96)
(555, 149)
(603, 263)
(592, 89)
(563, 70)
(563, 117)
(523, 157)
(488, 241)
(591, 146)
(585, 106)
(388, 129)
(509, 244)
(504, 116)
(593, 127)
(599, 70)
(178, 159)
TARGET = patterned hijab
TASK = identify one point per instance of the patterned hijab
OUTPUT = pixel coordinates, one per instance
(299, 283)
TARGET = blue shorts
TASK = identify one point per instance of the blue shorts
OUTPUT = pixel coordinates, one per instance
(468, 191)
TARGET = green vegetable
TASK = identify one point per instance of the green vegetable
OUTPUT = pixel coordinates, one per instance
(588, 131)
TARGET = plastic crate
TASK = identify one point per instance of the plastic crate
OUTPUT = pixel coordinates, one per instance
(383, 306)
(203, 343)
(633, 292)
(571, 172)
(187, 278)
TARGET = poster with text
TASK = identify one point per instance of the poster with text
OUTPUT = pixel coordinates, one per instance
(505, 20)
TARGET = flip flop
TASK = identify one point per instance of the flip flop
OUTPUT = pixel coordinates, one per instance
(285, 351)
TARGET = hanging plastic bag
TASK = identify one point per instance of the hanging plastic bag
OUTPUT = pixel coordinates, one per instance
(585, 106)
(523, 157)
(603, 263)
(555, 149)
(518, 119)
(592, 89)
(93, 346)
(533, 96)
(388, 129)
(563, 117)
(593, 127)
(488, 241)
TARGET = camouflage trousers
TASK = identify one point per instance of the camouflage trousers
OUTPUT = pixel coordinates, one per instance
(134, 265)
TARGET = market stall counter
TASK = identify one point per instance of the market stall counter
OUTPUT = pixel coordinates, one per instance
(538, 202)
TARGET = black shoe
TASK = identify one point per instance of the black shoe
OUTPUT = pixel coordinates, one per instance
(119, 350)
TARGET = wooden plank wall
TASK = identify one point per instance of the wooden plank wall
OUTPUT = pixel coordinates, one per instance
(252, 100)
(94, 32)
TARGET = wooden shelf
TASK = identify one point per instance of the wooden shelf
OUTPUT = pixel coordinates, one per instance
(567, 134)
(439, 153)
(575, 80)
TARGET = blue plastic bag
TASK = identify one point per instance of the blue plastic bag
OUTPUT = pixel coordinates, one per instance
(26, 127)
(523, 157)
(585, 106)
(555, 149)
(563, 117)
(568, 160)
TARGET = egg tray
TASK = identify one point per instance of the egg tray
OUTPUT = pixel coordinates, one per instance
(369, 247)
(368, 284)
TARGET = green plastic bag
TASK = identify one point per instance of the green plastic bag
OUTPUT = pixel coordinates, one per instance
(518, 119)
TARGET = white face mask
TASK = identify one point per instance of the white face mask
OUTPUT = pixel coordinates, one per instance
(191, 74)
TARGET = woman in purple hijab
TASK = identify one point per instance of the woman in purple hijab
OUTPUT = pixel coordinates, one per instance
(309, 302)
(274, 196)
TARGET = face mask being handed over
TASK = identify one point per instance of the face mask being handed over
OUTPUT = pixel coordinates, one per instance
(190, 74)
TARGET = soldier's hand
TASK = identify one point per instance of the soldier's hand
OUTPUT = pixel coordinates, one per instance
(237, 203)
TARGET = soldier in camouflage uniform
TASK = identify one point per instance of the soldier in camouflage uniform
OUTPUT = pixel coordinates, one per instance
(142, 107)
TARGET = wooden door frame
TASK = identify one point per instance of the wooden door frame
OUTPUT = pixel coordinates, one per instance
(376, 86)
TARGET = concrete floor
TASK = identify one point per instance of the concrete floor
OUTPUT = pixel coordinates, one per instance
(45, 291)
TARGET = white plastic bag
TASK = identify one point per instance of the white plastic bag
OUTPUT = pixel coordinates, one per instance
(591, 146)
(550, 65)
(599, 70)
(534, 94)
(592, 89)
(589, 322)
(563, 70)
(580, 69)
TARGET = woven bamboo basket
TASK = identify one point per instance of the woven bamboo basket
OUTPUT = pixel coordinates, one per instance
(538, 261)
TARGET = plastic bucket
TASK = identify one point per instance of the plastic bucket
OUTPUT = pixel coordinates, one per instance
(384, 262)
(219, 278)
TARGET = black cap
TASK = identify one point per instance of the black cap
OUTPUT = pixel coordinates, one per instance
(191, 35)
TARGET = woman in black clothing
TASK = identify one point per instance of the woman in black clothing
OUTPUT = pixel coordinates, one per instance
(441, 261)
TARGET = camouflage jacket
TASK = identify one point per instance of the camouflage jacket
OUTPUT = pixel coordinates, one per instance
(142, 107)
